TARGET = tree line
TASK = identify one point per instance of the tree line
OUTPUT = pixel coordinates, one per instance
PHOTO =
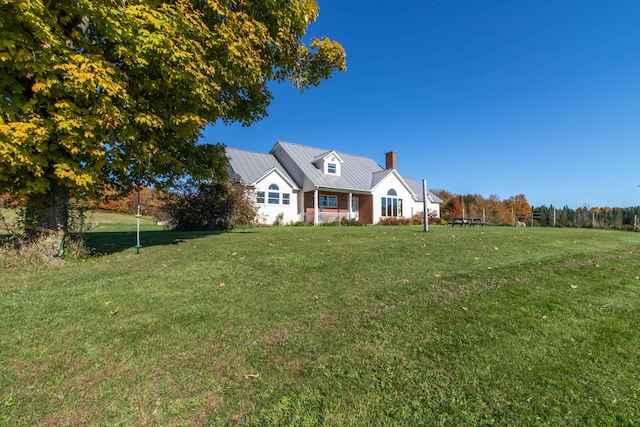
(509, 211)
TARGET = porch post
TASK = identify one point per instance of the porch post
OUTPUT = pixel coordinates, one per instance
(350, 205)
(315, 206)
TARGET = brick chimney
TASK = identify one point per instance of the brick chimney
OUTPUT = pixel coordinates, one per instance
(391, 159)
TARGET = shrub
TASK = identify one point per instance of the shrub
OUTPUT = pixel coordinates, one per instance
(394, 220)
(351, 222)
(279, 221)
(416, 219)
(210, 206)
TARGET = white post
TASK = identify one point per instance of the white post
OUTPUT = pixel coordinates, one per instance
(350, 205)
(138, 245)
(315, 206)
(426, 205)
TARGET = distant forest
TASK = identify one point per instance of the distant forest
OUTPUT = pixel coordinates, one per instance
(508, 211)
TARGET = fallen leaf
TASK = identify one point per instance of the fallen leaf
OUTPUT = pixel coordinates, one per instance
(465, 308)
(251, 376)
(543, 317)
(107, 303)
(404, 281)
(114, 312)
(437, 275)
(221, 285)
(495, 247)
(234, 254)
(574, 286)
(597, 265)
(241, 258)
(342, 256)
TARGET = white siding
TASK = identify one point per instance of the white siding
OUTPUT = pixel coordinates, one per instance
(434, 207)
(382, 189)
(268, 212)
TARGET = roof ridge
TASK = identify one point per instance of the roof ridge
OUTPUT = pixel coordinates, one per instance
(248, 151)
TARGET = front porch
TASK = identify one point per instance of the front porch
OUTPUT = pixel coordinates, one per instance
(323, 206)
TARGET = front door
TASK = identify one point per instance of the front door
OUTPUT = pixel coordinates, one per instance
(355, 206)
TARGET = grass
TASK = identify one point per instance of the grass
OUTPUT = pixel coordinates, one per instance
(328, 326)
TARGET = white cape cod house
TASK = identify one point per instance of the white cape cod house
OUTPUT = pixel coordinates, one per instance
(315, 185)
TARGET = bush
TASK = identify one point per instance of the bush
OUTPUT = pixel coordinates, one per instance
(342, 222)
(279, 221)
(416, 219)
(394, 220)
(210, 206)
(351, 222)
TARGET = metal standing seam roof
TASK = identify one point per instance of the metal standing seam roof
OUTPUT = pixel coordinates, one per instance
(250, 166)
(417, 188)
(356, 171)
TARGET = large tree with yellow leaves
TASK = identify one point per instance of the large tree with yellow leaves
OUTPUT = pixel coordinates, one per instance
(93, 91)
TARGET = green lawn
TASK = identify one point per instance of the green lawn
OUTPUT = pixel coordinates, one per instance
(328, 326)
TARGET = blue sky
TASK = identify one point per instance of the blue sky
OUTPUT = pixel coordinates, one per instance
(540, 98)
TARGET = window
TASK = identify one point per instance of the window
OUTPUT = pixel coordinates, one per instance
(274, 195)
(332, 168)
(328, 201)
(391, 204)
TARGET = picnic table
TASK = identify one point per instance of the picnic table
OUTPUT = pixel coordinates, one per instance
(467, 222)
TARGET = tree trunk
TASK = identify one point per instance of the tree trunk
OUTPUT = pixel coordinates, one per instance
(46, 217)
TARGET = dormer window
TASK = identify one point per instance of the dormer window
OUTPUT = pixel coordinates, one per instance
(329, 163)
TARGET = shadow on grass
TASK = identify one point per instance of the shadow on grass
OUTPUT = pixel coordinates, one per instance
(108, 242)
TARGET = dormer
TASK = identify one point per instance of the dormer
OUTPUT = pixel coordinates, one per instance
(329, 163)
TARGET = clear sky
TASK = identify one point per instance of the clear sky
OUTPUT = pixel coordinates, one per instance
(500, 97)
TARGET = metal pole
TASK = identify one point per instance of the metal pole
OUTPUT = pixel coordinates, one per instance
(426, 205)
(138, 245)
